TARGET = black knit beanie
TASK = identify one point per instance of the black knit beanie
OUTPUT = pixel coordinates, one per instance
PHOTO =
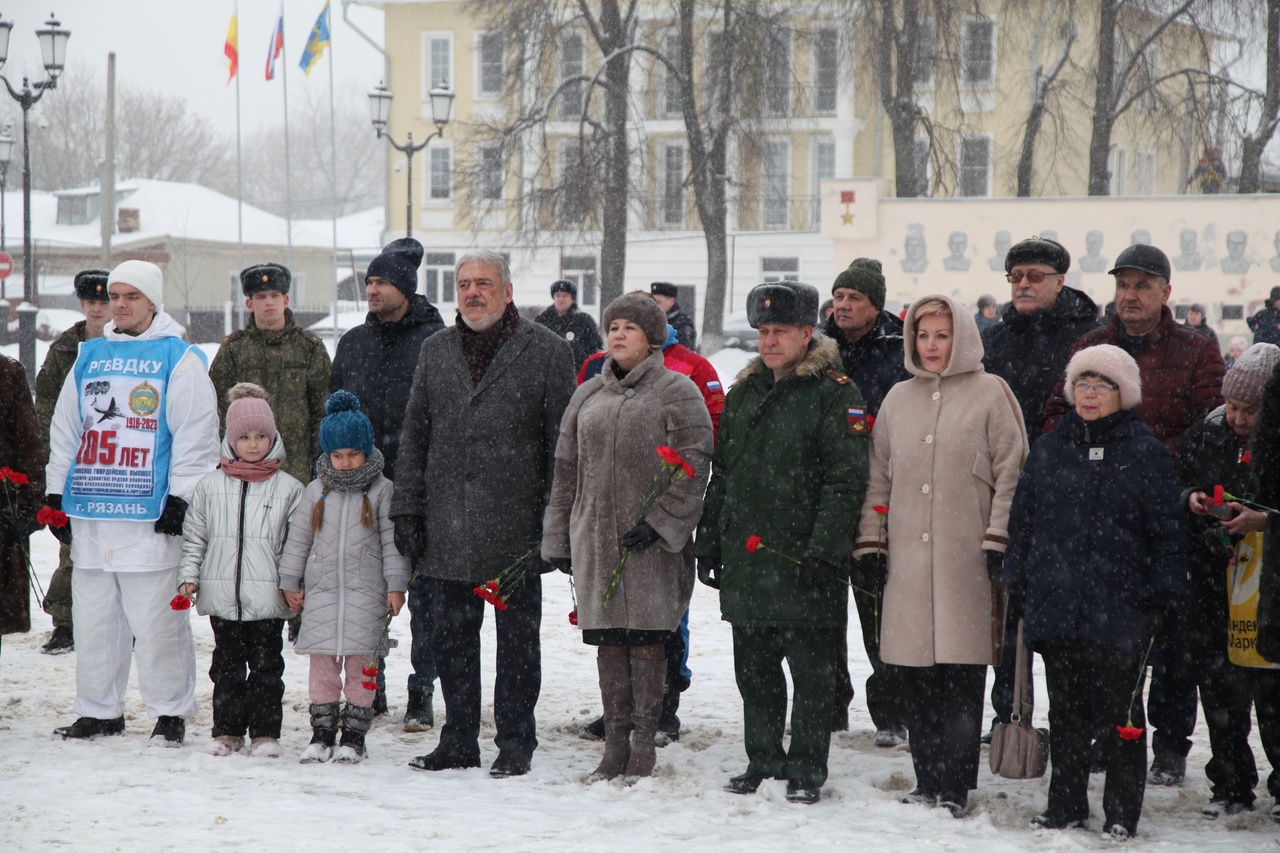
(398, 264)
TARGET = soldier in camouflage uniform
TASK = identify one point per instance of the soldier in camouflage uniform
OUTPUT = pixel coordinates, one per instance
(273, 351)
(91, 288)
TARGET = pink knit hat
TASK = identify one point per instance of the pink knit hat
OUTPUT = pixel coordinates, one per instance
(249, 410)
(1112, 363)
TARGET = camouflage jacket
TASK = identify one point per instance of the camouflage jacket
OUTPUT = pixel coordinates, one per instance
(293, 366)
(53, 373)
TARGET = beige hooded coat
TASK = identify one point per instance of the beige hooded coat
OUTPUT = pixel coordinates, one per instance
(946, 452)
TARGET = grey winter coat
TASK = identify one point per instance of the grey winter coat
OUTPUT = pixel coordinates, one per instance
(605, 463)
(476, 460)
(232, 539)
(347, 570)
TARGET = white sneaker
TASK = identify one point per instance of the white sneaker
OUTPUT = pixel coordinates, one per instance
(224, 745)
(316, 753)
(265, 747)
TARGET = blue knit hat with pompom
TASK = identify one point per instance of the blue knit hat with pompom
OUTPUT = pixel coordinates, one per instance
(344, 425)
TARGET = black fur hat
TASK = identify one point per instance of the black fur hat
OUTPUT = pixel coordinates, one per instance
(790, 303)
(260, 277)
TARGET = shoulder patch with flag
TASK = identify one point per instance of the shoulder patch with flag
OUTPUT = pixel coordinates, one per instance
(858, 421)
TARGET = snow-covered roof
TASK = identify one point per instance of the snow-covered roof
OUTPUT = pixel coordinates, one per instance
(188, 211)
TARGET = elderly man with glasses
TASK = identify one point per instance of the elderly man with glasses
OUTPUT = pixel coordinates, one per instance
(1029, 351)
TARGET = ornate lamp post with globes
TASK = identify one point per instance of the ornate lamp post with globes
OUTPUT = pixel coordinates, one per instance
(53, 54)
(380, 111)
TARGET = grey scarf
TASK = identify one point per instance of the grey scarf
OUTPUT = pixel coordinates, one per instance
(355, 480)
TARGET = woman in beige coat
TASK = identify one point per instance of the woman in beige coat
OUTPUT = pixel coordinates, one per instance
(606, 461)
(947, 449)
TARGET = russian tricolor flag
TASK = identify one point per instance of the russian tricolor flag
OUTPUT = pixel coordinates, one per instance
(277, 45)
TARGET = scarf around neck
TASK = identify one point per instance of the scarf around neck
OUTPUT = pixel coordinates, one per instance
(250, 472)
(355, 480)
(480, 348)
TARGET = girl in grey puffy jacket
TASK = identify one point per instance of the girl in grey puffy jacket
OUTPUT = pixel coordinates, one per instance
(341, 569)
(233, 537)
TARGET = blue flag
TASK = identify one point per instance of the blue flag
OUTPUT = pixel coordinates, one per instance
(317, 41)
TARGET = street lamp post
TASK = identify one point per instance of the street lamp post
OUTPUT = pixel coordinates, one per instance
(380, 111)
(53, 53)
(6, 155)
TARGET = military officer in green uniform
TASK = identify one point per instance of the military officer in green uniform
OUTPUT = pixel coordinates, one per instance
(289, 362)
(787, 482)
(91, 290)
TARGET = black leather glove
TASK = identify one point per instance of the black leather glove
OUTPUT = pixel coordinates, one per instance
(564, 564)
(411, 535)
(995, 567)
(639, 537)
(170, 521)
(1016, 605)
(816, 573)
(870, 571)
(709, 571)
(63, 533)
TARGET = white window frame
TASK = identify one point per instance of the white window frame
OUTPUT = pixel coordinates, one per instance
(481, 151)
(1144, 171)
(434, 153)
(446, 277)
(429, 61)
(669, 80)
(713, 50)
(566, 68)
(966, 42)
(483, 93)
(924, 176)
(585, 275)
(569, 148)
(667, 216)
(770, 180)
(926, 64)
(771, 269)
(969, 137)
(818, 69)
(1118, 166)
(778, 71)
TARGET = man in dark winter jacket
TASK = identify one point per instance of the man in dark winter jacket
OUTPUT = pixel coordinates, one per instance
(565, 319)
(477, 457)
(870, 342)
(1266, 323)
(788, 477)
(665, 293)
(1181, 383)
(91, 290)
(274, 352)
(376, 362)
(1029, 351)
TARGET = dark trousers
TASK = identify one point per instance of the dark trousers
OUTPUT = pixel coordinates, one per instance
(247, 702)
(1002, 684)
(1085, 679)
(422, 622)
(884, 687)
(1266, 704)
(758, 653)
(944, 716)
(1171, 703)
(57, 599)
(518, 681)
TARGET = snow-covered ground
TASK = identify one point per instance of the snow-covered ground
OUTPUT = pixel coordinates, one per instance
(120, 793)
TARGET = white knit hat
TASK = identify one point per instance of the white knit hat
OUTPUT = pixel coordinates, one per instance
(145, 276)
(1111, 362)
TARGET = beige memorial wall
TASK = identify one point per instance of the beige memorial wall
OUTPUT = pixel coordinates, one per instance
(1225, 249)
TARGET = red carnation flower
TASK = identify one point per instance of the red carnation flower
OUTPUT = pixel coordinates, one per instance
(371, 671)
(871, 422)
(688, 469)
(669, 455)
(499, 604)
(369, 685)
(573, 618)
(492, 586)
(1129, 732)
(1246, 457)
(880, 510)
(5, 472)
(753, 542)
(18, 478)
(1217, 495)
(180, 602)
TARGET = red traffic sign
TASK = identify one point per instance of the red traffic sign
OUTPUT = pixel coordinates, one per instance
(6, 264)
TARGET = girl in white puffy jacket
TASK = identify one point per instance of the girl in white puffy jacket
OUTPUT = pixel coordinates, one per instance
(233, 537)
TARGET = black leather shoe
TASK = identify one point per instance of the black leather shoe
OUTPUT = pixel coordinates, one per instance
(510, 763)
(444, 759)
(798, 792)
(89, 727)
(593, 730)
(169, 731)
(61, 641)
(745, 783)
(1052, 821)
(920, 797)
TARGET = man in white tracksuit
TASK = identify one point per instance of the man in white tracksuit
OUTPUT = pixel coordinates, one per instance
(134, 430)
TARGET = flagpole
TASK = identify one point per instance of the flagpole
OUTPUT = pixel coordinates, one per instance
(239, 185)
(288, 184)
(333, 176)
